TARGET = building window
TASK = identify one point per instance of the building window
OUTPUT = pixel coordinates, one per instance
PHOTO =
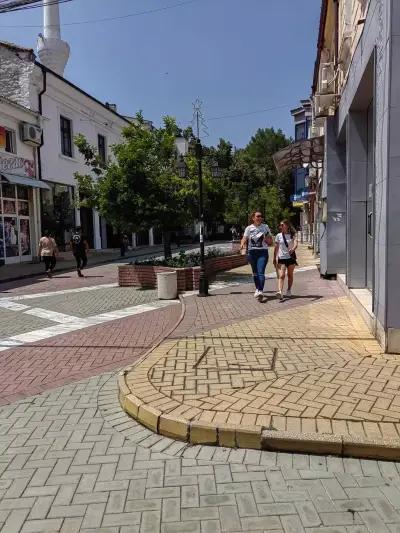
(66, 136)
(101, 143)
(300, 131)
(11, 145)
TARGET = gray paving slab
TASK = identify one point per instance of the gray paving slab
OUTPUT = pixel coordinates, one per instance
(87, 303)
(65, 466)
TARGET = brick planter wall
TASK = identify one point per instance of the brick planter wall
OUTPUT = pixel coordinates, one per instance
(145, 276)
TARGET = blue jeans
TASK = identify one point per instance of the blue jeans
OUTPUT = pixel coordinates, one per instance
(258, 260)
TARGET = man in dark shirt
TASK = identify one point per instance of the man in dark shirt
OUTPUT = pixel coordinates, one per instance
(79, 246)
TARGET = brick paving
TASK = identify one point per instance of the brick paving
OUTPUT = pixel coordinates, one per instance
(36, 367)
(102, 274)
(296, 367)
(84, 304)
(71, 461)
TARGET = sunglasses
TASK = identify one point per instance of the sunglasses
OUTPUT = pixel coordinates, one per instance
(258, 216)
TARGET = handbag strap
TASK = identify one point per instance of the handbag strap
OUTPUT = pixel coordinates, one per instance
(285, 241)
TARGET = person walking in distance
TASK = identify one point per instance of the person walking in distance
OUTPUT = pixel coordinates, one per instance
(257, 237)
(79, 247)
(47, 248)
(285, 256)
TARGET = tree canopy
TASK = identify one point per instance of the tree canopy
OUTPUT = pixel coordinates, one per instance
(139, 186)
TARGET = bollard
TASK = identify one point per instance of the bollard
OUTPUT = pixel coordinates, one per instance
(167, 285)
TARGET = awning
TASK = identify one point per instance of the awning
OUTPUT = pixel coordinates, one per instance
(23, 180)
(299, 153)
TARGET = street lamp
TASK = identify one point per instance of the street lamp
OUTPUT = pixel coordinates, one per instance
(216, 172)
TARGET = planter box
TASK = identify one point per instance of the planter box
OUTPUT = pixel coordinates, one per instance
(145, 276)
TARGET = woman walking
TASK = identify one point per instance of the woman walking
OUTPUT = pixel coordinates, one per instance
(47, 247)
(257, 237)
(285, 256)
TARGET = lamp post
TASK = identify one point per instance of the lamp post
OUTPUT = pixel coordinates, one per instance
(182, 172)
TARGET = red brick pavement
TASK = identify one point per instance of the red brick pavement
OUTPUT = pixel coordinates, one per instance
(43, 365)
(40, 366)
(235, 303)
(98, 275)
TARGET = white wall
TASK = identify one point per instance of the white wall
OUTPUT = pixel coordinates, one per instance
(88, 118)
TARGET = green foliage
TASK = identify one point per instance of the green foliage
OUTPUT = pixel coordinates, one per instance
(183, 259)
(252, 182)
(140, 187)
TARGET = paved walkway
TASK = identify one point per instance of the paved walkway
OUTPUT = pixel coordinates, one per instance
(303, 374)
(66, 261)
(72, 461)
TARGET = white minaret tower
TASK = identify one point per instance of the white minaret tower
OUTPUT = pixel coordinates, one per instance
(53, 52)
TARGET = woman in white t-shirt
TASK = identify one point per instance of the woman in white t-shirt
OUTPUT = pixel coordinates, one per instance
(257, 237)
(285, 256)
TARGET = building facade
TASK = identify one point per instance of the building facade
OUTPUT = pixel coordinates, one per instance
(19, 187)
(301, 198)
(356, 103)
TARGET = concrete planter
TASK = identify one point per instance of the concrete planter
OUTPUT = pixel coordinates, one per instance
(145, 276)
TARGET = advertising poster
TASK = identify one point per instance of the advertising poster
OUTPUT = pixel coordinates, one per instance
(24, 235)
(11, 236)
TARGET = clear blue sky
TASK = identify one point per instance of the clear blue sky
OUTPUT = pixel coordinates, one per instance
(237, 56)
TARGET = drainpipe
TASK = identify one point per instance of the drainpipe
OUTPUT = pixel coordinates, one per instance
(40, 112)
(38, 202)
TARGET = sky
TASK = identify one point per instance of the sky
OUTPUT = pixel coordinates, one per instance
(236, 56)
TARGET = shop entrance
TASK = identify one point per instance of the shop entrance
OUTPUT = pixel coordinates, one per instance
(15, 223)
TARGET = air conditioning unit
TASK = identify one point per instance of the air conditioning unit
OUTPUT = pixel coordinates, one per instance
(31, 134)
(314, 131)
(324, 105)
(327, 78)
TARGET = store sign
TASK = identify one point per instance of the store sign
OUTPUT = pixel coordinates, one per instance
(297, 204)
(19, 164)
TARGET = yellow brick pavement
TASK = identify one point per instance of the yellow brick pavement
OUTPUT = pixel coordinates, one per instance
(314, 368)
(310, 377)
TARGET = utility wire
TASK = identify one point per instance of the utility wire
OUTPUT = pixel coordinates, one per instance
(256, 112)
(107, 19)
(10, 6)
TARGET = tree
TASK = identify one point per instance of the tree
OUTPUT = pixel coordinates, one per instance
(140, 187)
(253, 183)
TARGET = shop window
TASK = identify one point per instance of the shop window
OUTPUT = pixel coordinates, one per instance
(8, 190)
(11, 145)
(22, 192)
(23, 208)
(11, 236)
(101, 142)
(58, 211)
(66, 136)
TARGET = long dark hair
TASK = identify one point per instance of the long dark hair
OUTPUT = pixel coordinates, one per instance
(292, 231)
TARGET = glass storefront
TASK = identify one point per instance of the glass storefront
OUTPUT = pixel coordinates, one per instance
(15, 223)
(58, 212)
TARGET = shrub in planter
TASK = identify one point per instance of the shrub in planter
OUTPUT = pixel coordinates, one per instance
(144, 273)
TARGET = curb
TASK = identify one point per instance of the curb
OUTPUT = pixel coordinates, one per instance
(133, 402)
(253, 437)
(201, 432)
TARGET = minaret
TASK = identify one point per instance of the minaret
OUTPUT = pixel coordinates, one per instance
(53, 52)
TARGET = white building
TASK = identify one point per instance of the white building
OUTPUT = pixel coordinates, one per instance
(66, 110)
(19, 186)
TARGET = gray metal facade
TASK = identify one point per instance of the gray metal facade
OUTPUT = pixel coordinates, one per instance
(362, 169)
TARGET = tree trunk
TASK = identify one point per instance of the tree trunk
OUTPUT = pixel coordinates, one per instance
(166, 236)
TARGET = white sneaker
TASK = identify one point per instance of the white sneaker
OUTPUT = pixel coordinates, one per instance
(288, 293)
(256, 294)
